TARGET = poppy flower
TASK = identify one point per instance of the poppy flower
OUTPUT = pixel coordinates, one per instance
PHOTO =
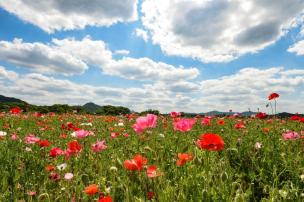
(206, 121)
(239, 125)
(50, 168)
(54, 176)
(183, 124)
(144, 122)
(15, 110)
(273, 96)
(91, 189)
(152, 172)
(290, 135)
(105, 199)
(210, 142)
(31, 139)
(136, 163)
(175, 114)
(261, 115)
(183, 158)
(99, 146)
(54, 152)
(44, 143)
(73, 148)
(220, 122)
(150, 195)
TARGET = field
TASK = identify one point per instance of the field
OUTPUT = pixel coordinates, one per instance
(73, 157)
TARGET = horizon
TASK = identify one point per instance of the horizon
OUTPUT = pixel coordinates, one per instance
(195, 56)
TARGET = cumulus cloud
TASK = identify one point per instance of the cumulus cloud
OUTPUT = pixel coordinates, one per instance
(122, 52)
(6, 74)
(297, 48)
(247, 88)
(218, 30)
(40, 57)
(70, 56)
(142, 34)
(250, 87)
(72, 14)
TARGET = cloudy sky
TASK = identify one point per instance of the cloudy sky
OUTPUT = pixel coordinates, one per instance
(183, 55)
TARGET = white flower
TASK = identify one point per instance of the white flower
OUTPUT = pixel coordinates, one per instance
(258, 145)
(62, 166)
(68, 176)
(161, 135)
(28, 149)
(86, 124)
(2, 133)
(120, 124)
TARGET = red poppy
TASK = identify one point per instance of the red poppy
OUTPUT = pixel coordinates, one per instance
(150, 195)
(295, 118)
(15, 110)
(210, 142)
(91, 189)
(152, 172)
(73, 148)
(54, 152)
(261, 115)
(105, 199)
(44, 143)
(136, 163)
(273, 96)
(183, 158)
(54, 176)
(220, 122)
(50, 168)
(239, 125)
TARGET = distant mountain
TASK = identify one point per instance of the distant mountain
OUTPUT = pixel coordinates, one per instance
(92, 107)
(10, 99)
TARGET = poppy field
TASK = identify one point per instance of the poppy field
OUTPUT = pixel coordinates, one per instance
(80, 157)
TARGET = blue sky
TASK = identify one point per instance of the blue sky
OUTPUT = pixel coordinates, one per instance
(180, 55)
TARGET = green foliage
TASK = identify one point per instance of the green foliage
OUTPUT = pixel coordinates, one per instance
(150, 111)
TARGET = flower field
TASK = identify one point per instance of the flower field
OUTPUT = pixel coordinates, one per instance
(73, 157)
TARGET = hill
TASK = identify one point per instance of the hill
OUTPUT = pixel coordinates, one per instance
(5, 99)
(92, 107)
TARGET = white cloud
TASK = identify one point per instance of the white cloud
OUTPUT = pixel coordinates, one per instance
(6, 74)
(247, 88)
(72, 14)
(69, 56)
(147, 69)
(218, 30)
(40, 57)
(142, 34)
(122, 52)
(297, 48)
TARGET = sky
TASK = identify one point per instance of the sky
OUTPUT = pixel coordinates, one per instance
(174, 55)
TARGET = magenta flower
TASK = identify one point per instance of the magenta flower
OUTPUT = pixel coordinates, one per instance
(206, 121)
(143, 122)
(31, 139)
(290, 135)
(99, 146)
(175, 114)
(184, 124)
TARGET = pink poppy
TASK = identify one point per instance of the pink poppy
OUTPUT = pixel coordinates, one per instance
(290, 135)
(99, 146)
(31, 139)
(184, 124)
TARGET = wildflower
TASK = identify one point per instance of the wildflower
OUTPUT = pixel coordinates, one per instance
(44, 143)
(103, 198)
(210, 142)
(15, 110)
(149, 121)
(273, 96)
(114, 135)
(62, 166)
(14, 136)
(50, 168)
(99, 146)
(3, 134)
(239, 125)
(206, 121)
(150, 195)
(290, 135)
(175, 114)
(184, 124)
(54, 176)
(91, 189)
(152, 172)
(261, 115)
(68, 176)
(54, 152)
(220, 122)
(183, 158)
(81, 133)
(258, 146)
(73, 148)
(136, 163)
(31, 139)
